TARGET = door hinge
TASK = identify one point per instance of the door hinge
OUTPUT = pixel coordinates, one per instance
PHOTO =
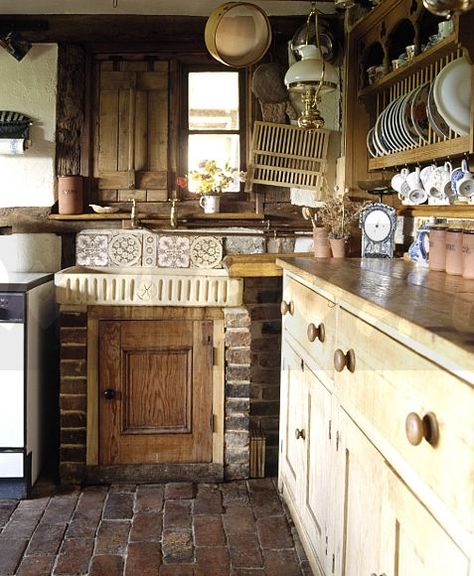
(214, 356)
(337, 441)
(333, 563)
(213, 423)
(330, 425)
(326, 549)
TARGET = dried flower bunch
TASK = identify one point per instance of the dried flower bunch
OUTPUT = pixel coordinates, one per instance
(338, 213)
(209, 178)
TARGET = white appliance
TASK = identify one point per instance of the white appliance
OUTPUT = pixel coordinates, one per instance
(27, 342)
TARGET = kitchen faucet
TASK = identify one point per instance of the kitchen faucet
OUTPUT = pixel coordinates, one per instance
(134, 223)
(174, 213)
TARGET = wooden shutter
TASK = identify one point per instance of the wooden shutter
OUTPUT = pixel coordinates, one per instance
(131, 156)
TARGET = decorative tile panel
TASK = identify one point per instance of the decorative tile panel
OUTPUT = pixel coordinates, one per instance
(206, 252)
(173, 251)
(244, 245)
(91, 249)
(125, 249)
(149, 250)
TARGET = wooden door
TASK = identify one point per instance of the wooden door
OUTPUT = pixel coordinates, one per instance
(319, 438)
(131, 152)
(417, 544)
(292, 423)
(362, 540)
(155, 386)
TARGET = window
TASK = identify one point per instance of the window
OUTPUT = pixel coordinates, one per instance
(213, 120)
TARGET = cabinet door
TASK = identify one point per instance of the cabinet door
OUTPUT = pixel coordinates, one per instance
(155, 390)
(416, 543)
(291, 422)
(318, 459)
(361, 534)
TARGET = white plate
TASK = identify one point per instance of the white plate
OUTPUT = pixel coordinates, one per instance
(104, 209)
(452, 95)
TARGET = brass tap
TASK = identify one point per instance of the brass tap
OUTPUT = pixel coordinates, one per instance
(134, 223)
(174, 213)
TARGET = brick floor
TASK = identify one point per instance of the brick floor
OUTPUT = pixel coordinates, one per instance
(179, 529)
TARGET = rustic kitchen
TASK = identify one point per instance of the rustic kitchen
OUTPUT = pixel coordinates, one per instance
(236, 288)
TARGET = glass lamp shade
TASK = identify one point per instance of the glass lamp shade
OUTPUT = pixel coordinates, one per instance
(309, 70)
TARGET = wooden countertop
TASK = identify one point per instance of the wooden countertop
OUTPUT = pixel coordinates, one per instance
(257, 265)
(432, 311)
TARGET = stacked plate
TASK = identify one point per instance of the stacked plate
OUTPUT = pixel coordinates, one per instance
(443, 104)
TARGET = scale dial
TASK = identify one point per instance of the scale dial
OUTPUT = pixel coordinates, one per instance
(378, 225)
(378, 222)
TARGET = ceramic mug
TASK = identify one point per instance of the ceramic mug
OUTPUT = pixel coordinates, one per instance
(462, 181)
(445, 28)
(413, 189)
(209, 203)
(411, 51)
(440, 181)
(398, 180)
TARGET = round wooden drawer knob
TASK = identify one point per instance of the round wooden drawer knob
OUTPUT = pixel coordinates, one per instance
(342, 360)
(417, 428)
(314, 332)
(299, 434)
(286, 307)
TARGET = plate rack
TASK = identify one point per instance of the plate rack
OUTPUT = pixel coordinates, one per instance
(288, 156)
(377, 40)
(435, 147)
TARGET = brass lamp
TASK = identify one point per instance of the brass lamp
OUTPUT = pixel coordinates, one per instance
(311, 77)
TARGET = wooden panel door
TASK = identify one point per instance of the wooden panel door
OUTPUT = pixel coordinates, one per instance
(416, 543)
(132, 131)
(361, 538)
(292, 423)
(155, 386)
(317, 516)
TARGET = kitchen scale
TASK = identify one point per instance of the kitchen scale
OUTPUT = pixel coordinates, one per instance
(378, 222)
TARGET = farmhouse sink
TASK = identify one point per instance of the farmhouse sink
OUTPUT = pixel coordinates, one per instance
(147, 287)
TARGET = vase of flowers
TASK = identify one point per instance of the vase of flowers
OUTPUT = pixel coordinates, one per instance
(209, 181)
(337, 215)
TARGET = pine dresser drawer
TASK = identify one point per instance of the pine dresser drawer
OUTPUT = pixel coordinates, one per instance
(415, 407)
(311, 320)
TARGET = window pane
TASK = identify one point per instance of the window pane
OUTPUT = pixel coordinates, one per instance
(223, 148)
(213, 101)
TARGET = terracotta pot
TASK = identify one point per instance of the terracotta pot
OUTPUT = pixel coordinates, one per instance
(70, 195)
(338, 247)
(322, 248)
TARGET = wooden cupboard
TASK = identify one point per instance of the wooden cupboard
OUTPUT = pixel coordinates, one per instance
(155, 387)
(367, 460)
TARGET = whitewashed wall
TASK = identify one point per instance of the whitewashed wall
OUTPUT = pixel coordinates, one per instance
(30, 87)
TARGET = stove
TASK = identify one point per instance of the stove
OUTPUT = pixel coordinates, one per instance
(27, 321)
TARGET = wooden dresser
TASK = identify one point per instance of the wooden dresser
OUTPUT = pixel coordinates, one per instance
(376, 421)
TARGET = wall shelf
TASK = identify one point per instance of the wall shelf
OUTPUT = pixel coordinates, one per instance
(456, 211)
(150, 217)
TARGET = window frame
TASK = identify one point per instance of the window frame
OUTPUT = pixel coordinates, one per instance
(184, 131)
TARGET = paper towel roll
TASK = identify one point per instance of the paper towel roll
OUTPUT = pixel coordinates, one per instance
(12, 146)
(30, 253)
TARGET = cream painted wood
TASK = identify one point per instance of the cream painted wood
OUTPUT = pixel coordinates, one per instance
(311, 309)
(291, 419)
(361, 487)
(391, 381)
(395, 509)
(415, 542)
(317, 482)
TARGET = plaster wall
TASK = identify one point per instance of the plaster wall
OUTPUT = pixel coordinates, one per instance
(30, 87)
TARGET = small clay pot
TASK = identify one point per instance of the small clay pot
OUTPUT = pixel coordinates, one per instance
(70, 195)
(322, 248)
(338, 247)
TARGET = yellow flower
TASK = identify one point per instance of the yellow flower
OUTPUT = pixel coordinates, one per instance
(209, 178)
